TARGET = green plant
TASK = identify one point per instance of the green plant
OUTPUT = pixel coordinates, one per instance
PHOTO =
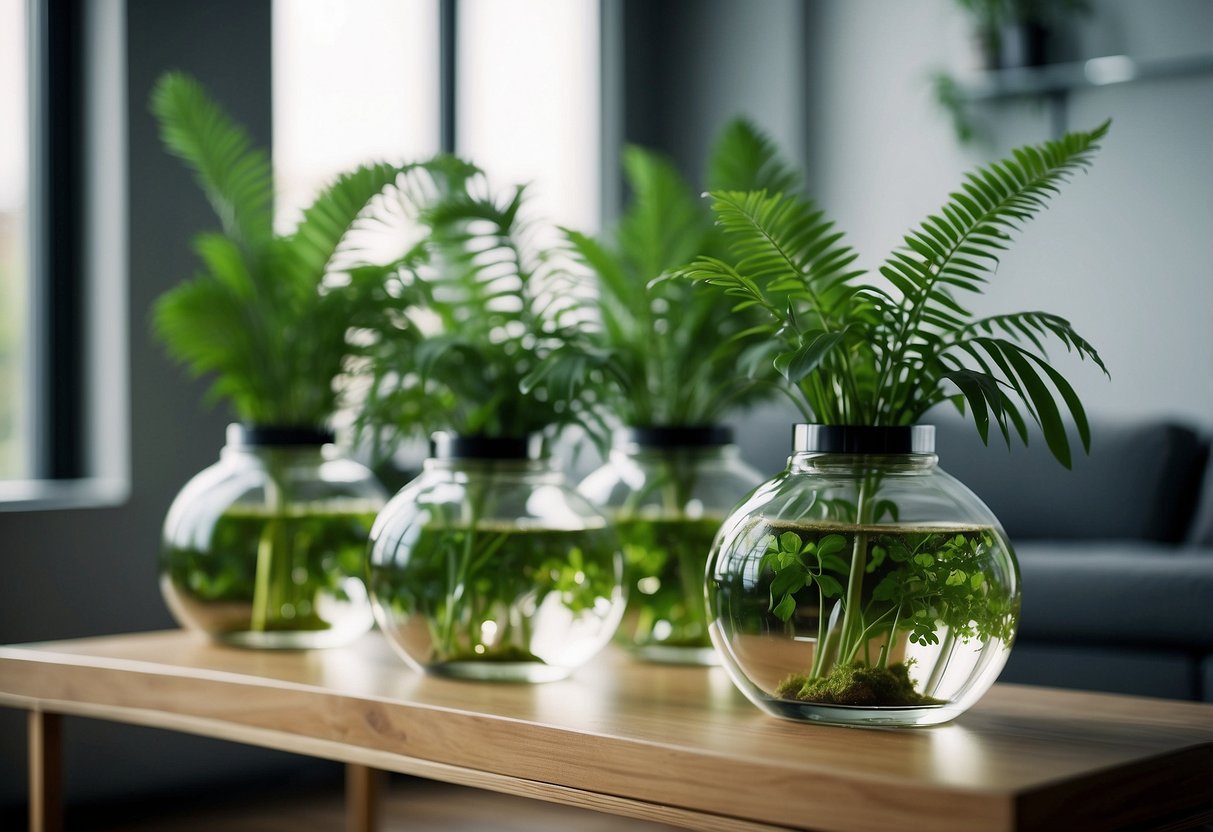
(484, 335)
(672, 352)
(262, 318)
(259, 316)
(853, 352)
(991, 18)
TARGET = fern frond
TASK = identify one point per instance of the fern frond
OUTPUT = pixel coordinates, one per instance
(314, 243)
(1032, 327)
(744, 158)
(958, 247)
(784, 245)
(234, 174)
(955, 251)
(664, 226)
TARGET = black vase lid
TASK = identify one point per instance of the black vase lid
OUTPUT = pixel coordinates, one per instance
(446, 445)
(277, 436)
(675, 436)
(863, 439)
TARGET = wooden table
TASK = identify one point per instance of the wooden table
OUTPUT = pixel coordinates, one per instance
(671, 744)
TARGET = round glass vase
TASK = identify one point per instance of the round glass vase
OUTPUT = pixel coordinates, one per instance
(267, 547)
(863, 585)
(668, 489)
(490, 566)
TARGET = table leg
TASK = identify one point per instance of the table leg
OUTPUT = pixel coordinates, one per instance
(362, 798)
(45, 772)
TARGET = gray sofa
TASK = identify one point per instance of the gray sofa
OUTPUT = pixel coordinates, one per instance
(1116, 555)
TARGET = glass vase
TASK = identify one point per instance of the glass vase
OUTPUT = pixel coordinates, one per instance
(863, 585)
(668, 490)
(267, 547)
(490, 566)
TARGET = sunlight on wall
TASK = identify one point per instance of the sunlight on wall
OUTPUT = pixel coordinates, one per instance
(528, 101)
(354, 81)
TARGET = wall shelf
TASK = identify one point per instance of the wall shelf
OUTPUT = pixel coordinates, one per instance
(1057, 79)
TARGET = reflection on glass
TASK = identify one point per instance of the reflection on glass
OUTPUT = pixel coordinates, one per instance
(14, 280)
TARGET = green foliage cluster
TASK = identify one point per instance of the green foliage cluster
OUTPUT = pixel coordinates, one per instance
(483, 333)
(259, 316)
(670, 350)
(459, 579)
(923, 582)
(854, 352)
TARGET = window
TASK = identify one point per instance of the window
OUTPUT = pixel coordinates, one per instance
(15, 443)
(527, 100)
(63, 341)
(356, 80)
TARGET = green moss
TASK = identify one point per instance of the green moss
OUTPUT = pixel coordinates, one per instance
(507, 653)
(856, 684)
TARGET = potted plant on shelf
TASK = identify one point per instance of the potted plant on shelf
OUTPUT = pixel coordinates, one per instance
(266, 548)
(673, 354)
(864, 585)
(1011, 34)
(488, 565)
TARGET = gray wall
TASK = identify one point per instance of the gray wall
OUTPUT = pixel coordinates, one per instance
(83, 572)
(1124, 252)
(691, 65)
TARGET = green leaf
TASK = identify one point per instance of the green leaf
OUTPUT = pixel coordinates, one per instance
(1044, 407)
(313, 244)
(234, 174)
(830, 587)
(790, 542)
(794, 366)
(830, 544)
(743, 158)
(785, 608)
(833, 563)
(788, 582)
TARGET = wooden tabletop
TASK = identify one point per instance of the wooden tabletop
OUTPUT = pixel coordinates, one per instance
(672, 744)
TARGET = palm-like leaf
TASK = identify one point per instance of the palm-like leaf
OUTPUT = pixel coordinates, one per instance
(857, 353)
(233, 173)
(483, 348)
(745, 159)
(259, 317)
(654, 329)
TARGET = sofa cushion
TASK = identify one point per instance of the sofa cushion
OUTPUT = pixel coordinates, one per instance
(1201, 532)
(1117, 593)
(1136, 671)
(1140, 481)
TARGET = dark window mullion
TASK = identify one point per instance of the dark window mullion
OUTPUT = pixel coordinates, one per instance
(57, 176)
(448, 12)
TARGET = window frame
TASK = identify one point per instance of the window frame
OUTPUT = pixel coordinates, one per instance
(76, 238)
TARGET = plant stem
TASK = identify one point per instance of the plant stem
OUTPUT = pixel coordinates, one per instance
(945, 656)
(273, 551)
(457, 577)
(886, 649)
(852, 627)
(820, 651)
